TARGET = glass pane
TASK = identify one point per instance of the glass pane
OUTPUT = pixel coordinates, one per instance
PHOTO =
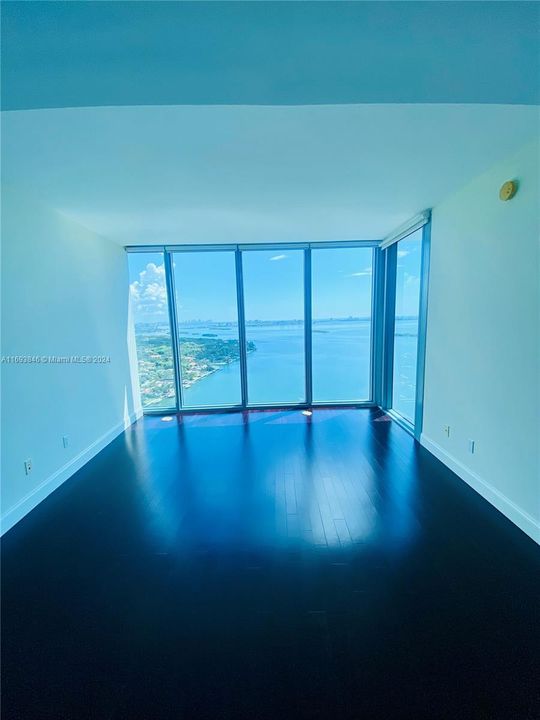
(274, 310)
(341, 331)
(207, 316)
(409, 258)
(150, 315)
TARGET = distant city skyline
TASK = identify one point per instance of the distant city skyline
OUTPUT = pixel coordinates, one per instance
(210, 322)
(206, 285)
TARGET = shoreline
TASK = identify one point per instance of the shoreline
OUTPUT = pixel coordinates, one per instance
(185, 384)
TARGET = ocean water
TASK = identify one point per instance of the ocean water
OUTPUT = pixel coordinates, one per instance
(275, 371)
(405, 362)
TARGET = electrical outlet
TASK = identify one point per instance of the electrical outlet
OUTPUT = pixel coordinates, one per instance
(472, 446)
(65, 440)
(446, 429)
(28, 466)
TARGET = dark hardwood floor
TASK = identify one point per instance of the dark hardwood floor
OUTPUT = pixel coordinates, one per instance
(269, 565)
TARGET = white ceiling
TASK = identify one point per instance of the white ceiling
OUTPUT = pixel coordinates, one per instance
(212, 174)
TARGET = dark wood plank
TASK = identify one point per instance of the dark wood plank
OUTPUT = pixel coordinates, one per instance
(268, 565)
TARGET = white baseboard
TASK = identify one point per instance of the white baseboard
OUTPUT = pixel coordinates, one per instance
(508, 508)
(50, 484)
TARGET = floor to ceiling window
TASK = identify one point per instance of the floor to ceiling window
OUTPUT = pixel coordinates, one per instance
(408, 272)
(341, 288)
(403, 266)
(150, 316)
(207, 328)
(273, 282)
(246, 326)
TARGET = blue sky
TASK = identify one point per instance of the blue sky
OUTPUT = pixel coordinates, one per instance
(273, 284)
(408, 274)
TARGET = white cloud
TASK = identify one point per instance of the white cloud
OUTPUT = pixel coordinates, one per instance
(278, 257)
(403, 253)
(411, 279)
(362, 273)
(148, 294)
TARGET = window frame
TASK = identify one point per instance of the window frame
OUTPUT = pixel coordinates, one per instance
(376, 296)
(306, 263)
(170, 276)
(162, 409)
(370, 400)
(389, 262)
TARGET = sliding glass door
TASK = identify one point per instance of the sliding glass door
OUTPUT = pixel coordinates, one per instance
(341, 289)
(207, 328)
(273, 296)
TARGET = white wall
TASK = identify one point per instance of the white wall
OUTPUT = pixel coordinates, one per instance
(483, 338)
(64, 292)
